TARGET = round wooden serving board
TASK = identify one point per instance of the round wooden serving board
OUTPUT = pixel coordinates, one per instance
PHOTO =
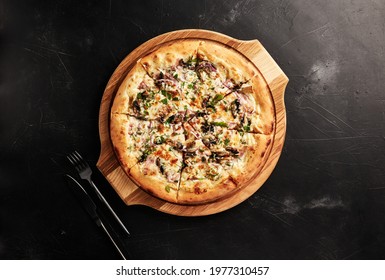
(134, 195)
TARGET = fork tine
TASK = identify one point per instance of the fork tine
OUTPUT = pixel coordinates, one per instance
(81, 162)
(74, 162)
(78, 158)
(85, 163)
(70, 160)
(77, 153)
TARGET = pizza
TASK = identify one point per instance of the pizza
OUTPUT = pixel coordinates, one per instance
(192, 122)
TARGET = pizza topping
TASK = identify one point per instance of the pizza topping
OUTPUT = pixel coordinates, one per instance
(178, 146)
(209, 140)
(137, 108)
(234, 107)
(145, 154)
(245, 102)
(212, 174)
(189, 64)
(232, 150)
(170, 119)
(222, 124)
(160, 165)
(204, 66)
(159, 140)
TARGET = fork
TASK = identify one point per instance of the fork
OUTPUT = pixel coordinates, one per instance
(85, 173)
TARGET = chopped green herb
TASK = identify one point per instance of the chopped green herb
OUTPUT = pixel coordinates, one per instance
(175, 75)
(190, 86)
(185, 107)
(193, 98)
(222, 124)
(191, 60)
(246, 128)
(227, 141)
(167, 188)
(147, 105)
(140, 95)
(216, 99)
(166, 94)
(211, 174)
(170, 119)
(145, 154)
(159, 140)
(164, 101)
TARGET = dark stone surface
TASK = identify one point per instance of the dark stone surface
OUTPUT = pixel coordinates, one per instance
(324, 200)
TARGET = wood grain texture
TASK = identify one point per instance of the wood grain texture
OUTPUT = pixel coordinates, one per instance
(130, 193)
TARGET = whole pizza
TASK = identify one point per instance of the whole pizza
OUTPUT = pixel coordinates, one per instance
(192, 122)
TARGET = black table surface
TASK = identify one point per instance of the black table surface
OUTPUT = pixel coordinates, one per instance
(324, 200)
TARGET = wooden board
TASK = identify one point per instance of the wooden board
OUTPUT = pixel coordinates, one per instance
(131, 193)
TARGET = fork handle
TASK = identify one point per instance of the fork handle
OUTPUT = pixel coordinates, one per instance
(101, 197)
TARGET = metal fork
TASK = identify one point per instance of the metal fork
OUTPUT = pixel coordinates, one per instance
(85, 173)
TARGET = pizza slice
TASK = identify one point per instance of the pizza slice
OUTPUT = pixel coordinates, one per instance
(201, 180)
(172, 65)
(250, 158)
(130, 138)
(159, 171)
(242, 98)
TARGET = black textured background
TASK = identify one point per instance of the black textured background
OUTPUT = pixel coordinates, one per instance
(324, 200)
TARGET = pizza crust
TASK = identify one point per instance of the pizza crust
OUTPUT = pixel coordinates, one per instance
(265, 113)
(119, 131)
(203, 191)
